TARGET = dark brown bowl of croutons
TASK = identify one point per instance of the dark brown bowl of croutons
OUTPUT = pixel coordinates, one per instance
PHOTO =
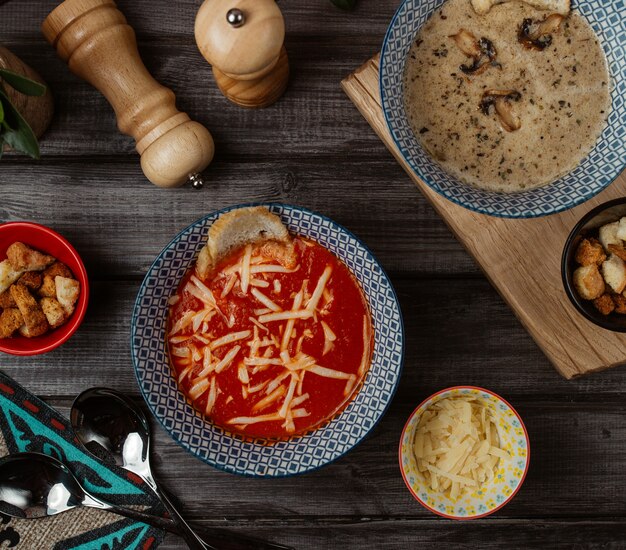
(594, 265)
(44, 289)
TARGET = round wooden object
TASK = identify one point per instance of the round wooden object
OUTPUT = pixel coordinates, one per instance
(100, 47)
(37, 111)
(249, 61)
(259, 93)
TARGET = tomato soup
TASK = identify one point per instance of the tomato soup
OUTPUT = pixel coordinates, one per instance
(275, 342)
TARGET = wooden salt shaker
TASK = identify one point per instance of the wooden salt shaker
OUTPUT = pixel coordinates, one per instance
(244, 42)
(93, 37)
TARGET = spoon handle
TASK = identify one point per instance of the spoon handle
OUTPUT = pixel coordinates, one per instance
(160, 523)
(191, 538)
(221, 540)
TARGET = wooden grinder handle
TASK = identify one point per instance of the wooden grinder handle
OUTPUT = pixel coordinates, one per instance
(93, 37)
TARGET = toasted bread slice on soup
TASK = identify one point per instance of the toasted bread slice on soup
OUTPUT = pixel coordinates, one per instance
(236, 229)
(555, 6)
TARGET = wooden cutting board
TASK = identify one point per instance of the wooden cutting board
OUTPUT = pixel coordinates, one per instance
(521, 258)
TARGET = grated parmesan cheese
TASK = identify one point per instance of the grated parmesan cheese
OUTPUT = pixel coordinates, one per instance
(265, 300)
(319, 289)
(457, 447)
(245, 269)
(230, 338)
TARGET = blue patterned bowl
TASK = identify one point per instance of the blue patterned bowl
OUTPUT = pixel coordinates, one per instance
(596, 172)
(231, 452)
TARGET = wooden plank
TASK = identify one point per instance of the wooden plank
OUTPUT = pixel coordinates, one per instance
(458, 332)
(574, 345)
(22, 18)
(300, 120)
(368, 534)
(94, 204)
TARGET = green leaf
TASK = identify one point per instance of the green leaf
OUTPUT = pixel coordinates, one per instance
(17, 133)
(22, 84)
(344, 4)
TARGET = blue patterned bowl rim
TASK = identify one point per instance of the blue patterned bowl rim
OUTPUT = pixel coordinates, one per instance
(228, 452)
(594, 174)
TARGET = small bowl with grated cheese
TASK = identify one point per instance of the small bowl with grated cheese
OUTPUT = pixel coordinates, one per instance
(464, 453)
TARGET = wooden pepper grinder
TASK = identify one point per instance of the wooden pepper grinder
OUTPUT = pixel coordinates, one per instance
(93, 37)
(244, 42)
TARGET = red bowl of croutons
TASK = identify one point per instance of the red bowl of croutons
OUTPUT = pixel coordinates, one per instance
(594, 265)
(44, 289)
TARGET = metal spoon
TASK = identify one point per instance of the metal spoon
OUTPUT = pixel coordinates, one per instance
(113, 427)
(34, 485)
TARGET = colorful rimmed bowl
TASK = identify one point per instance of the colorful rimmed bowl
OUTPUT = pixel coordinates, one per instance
(231, 452)
(492, 495)
(596, 172)
(47, 241)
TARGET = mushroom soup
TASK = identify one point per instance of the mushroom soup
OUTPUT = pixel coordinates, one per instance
(510, 100)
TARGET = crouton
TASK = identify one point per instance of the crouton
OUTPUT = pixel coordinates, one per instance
(614, 273)
(48, 288)
(58, 269)
(589, 252)
(31, 279)
(10, 320)
(482, 7)
(619, 251)
(236, 229)
(8, 275)
(621, 229)
(608, 235)
(24, 258)
(68, 291)
(589, 282)
(620, 303)
(604, 304)
(23, 330)
(34, 318)
(6, 300)
(53, 311)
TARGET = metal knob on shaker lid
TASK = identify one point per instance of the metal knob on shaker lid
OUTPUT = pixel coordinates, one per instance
(235, 17)
(243, 40)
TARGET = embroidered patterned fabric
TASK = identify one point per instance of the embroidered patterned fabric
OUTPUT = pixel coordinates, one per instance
(27, 424)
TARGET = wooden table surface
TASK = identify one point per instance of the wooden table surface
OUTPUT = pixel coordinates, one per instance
(315, 150)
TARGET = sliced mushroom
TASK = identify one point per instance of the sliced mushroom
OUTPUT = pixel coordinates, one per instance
(482, 51)
(501, 101)
(537, 35)
(467, 43)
